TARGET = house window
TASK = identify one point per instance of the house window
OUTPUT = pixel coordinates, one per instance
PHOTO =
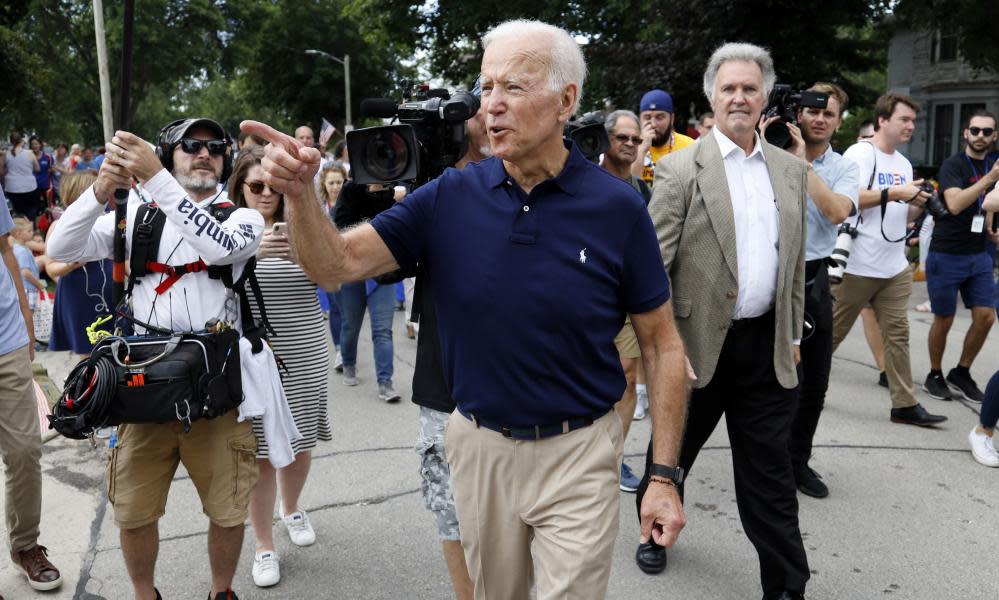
(943, 132)
(943, 47)
(966, 112)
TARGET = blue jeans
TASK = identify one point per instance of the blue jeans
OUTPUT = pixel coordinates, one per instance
(352, 300)
(990, 406)
(327, 301)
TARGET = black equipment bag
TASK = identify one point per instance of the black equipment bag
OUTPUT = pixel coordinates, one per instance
(183, 377)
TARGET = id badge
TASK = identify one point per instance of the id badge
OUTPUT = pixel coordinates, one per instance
(978, 224)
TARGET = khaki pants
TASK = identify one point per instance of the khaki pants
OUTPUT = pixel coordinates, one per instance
(560, 492)
(890, 300)
(21, 447)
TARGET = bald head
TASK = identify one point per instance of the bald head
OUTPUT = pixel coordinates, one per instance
(304, 134)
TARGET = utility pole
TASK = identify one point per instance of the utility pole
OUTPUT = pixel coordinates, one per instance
(102, 71)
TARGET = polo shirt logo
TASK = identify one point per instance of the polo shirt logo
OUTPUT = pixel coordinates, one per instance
(582, 256)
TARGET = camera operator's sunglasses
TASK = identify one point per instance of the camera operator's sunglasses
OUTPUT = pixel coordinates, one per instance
(193, 146)
(986, 131)
(622, 138)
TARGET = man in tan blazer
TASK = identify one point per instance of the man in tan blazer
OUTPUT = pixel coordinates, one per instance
(730, 216)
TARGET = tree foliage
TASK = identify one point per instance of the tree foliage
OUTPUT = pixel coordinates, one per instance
(230, 59)
(634, 46)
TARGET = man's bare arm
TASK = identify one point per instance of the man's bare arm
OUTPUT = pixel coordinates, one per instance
(664, 359)
(327, 256)
(10, 261)
(834, 207)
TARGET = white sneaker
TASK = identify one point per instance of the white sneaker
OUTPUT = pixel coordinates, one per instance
(983, 449)
(299, 529)
(338, 361)
(641, 407)
(266, 571)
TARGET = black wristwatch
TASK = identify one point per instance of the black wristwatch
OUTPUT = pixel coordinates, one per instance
(674, 474)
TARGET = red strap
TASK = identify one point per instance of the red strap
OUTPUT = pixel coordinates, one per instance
(174, 273)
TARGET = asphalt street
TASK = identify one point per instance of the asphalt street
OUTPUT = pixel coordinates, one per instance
(910, 515)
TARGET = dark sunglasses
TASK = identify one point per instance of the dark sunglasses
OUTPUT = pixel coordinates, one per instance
(193, 146)
(987, 131)
(624, 138)
(257, 187)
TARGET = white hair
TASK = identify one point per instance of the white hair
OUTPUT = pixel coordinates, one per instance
(565, 63)
(740, 52)
(611, 121)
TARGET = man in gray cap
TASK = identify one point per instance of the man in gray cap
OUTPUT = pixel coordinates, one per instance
(658, 137)
(182, 177)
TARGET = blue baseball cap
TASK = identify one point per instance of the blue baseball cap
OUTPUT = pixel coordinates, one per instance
(656, 100)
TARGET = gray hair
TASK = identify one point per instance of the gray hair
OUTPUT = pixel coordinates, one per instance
(565, 64)
(740, 52)
(611, 121)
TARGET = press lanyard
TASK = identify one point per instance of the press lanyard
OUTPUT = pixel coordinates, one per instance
(974, 173)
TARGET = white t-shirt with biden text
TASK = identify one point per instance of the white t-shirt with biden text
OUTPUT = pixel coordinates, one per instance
(872, 255)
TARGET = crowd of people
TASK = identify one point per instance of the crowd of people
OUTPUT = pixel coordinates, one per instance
(700, 264)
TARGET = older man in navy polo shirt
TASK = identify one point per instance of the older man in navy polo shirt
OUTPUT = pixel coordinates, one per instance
(535, 255)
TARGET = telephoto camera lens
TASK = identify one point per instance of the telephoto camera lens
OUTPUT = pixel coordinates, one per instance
(841, 253)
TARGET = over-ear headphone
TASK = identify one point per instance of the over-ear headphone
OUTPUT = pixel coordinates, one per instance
(172, 133)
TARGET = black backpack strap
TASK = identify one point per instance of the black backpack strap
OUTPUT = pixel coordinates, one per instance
(146, 234)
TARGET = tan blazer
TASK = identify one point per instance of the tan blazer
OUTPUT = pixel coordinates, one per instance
(692, 212)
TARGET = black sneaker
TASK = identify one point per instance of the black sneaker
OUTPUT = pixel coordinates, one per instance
(962, 380)
(226, 595)
(810, 483)
(883, 379)
(936, 387)
(915, 415)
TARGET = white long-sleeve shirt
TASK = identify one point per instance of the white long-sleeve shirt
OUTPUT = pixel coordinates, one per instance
(86, 233)
(757, 226)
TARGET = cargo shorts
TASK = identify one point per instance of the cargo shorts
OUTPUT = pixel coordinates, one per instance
(219, 455)
(434, 473)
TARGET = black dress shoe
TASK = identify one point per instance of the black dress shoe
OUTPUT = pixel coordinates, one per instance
(810, 483)
(651, 558)
(785, 595)
(915, 415)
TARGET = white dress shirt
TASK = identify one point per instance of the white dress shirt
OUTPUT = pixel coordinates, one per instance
(757, 226)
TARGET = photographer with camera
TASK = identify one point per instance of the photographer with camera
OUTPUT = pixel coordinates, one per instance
(961, 257)
(182, 177)
(534, 447)
(878, 271)
(832, 197)
(658, 135)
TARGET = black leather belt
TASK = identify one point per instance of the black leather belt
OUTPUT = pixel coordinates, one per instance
(532, 432)
(767, 317)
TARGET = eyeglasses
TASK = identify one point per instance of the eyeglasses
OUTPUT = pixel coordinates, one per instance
(623, 138)
(257, 187)
(193, 146)
(986, 131)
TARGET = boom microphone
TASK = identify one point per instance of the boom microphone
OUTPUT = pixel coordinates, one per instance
(382, 108)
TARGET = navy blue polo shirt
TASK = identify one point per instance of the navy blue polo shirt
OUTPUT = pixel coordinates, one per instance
(531, 289)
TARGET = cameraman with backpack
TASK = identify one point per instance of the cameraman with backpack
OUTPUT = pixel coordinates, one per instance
(182, 177)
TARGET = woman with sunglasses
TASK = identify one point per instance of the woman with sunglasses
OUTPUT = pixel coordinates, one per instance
(299, 340)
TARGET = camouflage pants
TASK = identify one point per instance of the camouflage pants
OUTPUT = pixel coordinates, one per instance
(435, 474)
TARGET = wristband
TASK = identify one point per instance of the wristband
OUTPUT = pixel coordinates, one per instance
(662, 481)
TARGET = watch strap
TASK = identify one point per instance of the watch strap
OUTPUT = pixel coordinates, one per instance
(674, 474)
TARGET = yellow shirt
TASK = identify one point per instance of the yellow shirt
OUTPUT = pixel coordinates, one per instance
(677, 141)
